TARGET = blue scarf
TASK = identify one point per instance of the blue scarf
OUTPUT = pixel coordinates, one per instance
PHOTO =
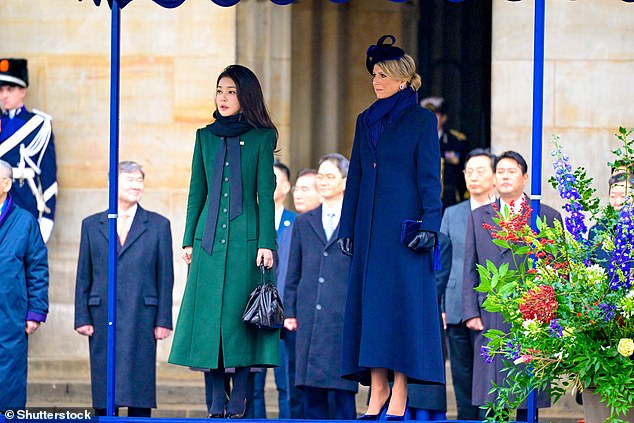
(383, 112)
(5, 209)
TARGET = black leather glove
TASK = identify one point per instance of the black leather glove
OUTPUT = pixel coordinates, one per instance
(345, 245)
(424, 240)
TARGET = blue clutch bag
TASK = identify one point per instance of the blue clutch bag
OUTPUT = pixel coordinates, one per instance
(409, 229)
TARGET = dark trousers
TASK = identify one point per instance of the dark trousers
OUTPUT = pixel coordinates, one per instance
(460, 341)
(132, 412)
(216, 391)
(281, 382)
(329, 404)
(296, 395)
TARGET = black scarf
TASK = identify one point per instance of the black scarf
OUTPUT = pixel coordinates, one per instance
(229, 126)
(229, 129)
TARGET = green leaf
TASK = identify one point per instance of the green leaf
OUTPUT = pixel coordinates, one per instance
(501, 243)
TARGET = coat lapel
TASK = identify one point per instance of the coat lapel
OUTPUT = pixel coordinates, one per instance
(139, 225)
(314, 220)
(103, 225)
(333, 238)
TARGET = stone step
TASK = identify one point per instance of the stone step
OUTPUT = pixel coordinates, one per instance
(180, 391)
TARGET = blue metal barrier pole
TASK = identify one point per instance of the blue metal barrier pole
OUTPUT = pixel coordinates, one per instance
(538, 112)
(113, 179)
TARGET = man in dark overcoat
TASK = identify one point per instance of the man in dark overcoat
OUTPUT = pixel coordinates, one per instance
(23, 291)
(511, 175)
(145, 277)
(480, 180)
(284, 219)
(315, 298)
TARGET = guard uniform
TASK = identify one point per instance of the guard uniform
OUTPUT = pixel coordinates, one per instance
(453, 146)
(27, 144)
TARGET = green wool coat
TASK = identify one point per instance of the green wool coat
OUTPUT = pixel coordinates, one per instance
(218, 285)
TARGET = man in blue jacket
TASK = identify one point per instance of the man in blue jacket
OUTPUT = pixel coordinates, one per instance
(23, 291)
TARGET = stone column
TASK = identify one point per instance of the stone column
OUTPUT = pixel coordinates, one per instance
(263, 44)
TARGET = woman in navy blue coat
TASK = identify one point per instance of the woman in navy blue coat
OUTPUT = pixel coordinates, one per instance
(391, 325)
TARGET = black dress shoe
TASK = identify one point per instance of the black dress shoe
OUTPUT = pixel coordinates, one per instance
(235, 416)
(217, 415)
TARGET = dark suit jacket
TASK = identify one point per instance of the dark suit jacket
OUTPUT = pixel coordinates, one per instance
(145, 277)
(316, 295)
(478, 249)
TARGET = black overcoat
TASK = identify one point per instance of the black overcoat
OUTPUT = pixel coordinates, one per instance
(391, 318)
(315, 295)
(145, 278)
(479, 248)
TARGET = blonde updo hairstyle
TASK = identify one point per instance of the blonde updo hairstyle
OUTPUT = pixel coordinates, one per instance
(402, 69)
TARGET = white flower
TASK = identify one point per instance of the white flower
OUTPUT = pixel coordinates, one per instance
(531, 326)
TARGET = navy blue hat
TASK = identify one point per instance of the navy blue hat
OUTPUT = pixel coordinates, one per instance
(382, 51)
(14, 72)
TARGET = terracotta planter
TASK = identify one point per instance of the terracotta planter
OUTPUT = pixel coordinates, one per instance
(596, 411)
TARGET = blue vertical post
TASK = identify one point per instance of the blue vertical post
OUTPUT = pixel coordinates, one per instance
(536, 161)
(113, 179)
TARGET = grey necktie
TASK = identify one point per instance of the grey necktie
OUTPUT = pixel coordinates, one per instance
(329, 227)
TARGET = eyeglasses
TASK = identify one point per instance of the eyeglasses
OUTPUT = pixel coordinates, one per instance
(480, 171)
(330, 177)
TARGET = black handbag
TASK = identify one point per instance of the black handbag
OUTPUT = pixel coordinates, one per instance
(264, 308)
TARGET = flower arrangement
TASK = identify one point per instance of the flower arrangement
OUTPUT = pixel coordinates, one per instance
(571, 314)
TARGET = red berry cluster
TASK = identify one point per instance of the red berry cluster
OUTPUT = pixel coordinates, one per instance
(539, 303)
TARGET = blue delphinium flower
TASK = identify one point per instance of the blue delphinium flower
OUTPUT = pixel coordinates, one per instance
(513, 350)
(566, 181)
(621, 256)
(486, 354)
(556, 329)
(608, 311)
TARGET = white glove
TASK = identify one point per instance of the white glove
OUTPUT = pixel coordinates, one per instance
(46, 227)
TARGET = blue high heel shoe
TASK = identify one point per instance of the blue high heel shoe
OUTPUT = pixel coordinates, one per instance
(405, 417)
(382, 411)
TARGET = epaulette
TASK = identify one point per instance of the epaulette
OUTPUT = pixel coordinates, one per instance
(459, 135)
(41, 113)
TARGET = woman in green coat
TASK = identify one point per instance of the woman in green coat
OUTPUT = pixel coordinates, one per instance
(229, 232)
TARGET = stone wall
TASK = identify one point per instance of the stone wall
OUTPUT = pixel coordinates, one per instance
(588, 90)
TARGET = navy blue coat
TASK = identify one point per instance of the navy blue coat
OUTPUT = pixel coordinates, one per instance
(145, 277)
(391, 318)
(23, 292)
(316, 295)
(479, 248)
(434, 397)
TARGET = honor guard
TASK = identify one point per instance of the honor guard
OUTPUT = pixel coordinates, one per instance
(26, 142)
(453, 150)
